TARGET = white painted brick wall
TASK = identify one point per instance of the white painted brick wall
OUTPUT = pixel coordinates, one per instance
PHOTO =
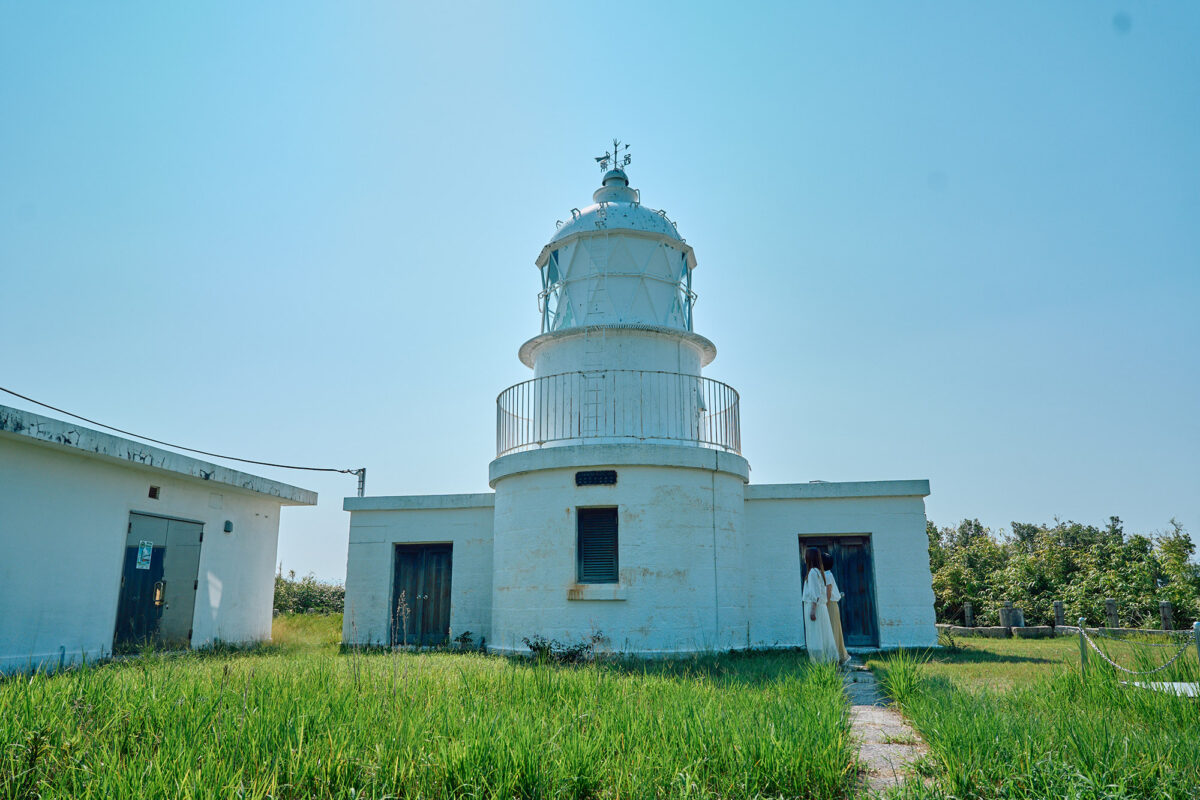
(900, 556)
(370, 560)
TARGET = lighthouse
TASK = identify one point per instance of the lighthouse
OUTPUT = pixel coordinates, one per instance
(619, 479)
(621, 510)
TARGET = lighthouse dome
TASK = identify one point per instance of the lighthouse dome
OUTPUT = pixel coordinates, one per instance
(617, 206)
(616, 262)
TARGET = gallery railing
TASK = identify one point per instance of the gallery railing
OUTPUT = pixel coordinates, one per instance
(617, 405)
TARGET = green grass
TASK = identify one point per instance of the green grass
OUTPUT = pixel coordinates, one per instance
(298, 719)
(307, 631)
(996, 664)
(1015, 719)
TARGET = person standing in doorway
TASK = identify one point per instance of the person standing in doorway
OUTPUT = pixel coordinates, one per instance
(818, 634)
(835, 611)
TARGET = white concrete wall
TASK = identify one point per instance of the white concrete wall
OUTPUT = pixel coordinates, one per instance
(378, 524)
(682, 575)
(776, 515)
(618, 348)
(63, 520)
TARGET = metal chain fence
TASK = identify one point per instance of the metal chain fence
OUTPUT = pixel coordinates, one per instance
(1092, 643)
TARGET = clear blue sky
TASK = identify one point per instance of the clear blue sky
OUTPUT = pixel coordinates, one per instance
(948, 241)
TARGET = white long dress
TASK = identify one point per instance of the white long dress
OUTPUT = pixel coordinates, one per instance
(818, 634)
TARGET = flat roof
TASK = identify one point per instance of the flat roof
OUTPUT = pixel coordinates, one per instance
(419, 502)
(835, 489)
(76, 439)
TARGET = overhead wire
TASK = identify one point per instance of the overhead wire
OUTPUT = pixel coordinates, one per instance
(179, 446)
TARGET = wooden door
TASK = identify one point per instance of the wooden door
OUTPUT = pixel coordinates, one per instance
(421, 594)
(855, 573)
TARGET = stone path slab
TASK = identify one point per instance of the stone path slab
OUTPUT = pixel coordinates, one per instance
(887, 744)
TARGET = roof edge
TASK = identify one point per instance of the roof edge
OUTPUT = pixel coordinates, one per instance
(419, 502)
(837, 489)
(708, 350)
(79, 440)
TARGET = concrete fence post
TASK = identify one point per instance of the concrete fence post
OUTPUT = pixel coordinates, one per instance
(1006, 614)
(1059, 614)
(1083, 650)
(1110, 613)
(1166, 613)
(968, 614)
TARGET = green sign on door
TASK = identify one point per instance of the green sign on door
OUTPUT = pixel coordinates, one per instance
(145, 551)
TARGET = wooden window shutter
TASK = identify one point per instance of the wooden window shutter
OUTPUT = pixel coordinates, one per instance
(597, 545)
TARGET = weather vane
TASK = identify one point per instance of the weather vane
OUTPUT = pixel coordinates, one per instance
(615, 158)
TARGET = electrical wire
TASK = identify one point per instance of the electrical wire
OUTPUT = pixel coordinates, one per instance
(178, 446)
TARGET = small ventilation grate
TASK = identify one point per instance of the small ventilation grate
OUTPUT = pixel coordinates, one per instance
(153, 492)
(596, 477)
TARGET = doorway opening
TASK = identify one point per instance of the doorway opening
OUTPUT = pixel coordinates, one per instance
(158, 583)
(854, 570)
(421, 594)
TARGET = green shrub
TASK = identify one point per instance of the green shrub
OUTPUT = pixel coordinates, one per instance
(552, 650)
(307, 595)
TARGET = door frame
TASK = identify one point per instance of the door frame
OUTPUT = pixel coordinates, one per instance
(170, 517)
(874, 588)
(124, 544)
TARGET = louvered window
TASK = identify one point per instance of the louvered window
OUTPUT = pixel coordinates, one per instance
(596, 477)
(597, 545)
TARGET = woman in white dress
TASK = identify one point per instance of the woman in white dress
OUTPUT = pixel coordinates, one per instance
(818, 632)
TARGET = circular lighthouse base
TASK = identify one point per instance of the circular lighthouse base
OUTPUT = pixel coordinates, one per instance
(680, 581)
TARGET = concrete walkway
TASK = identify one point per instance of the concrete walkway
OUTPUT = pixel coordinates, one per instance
(887, 744)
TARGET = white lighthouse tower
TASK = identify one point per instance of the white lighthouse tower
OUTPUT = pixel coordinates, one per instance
(622, 505)
(619, 480)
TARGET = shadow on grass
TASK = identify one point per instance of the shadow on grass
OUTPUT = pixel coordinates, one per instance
(967, 656)
(985, 657)
(745, 667)
(749, 667)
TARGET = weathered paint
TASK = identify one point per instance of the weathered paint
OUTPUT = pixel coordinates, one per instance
(894, 518)
(64, 514)
(617, 347)
(677, 592)
(681, 572)
(377, 524)
(114, 449)
(705, 562)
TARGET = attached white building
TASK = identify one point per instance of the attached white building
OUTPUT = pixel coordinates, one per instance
(106, 542)
(622, 503)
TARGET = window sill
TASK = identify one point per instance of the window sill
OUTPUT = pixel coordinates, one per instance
(596, 591)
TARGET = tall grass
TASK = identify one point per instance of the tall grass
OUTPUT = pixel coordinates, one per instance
(306, 631)
(290, 722)
(1060, 735)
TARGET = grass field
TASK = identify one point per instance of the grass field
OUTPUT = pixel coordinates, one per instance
(1014, 719)
(299, 719)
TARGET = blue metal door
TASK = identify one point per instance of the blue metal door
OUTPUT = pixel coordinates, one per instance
(855, 573)
(139, 610)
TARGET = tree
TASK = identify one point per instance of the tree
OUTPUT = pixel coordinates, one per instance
(1078, 564)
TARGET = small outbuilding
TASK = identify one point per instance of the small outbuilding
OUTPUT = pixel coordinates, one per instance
(107, 544)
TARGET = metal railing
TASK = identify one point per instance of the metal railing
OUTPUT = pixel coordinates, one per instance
(618, 405)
